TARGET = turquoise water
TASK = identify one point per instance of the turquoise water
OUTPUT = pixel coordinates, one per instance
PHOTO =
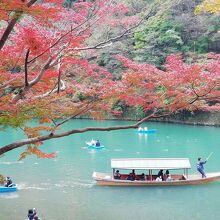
(62, 188)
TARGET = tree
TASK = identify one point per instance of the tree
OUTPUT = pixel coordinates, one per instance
(43, 75)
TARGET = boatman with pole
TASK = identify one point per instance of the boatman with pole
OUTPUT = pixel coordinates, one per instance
(200, 164)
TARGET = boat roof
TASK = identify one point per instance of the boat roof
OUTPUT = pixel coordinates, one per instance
(151, 163)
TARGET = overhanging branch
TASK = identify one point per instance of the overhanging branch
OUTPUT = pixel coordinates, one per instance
(24, 142)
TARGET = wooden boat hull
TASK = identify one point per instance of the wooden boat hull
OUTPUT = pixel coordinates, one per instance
(7, 189)
(107, 180)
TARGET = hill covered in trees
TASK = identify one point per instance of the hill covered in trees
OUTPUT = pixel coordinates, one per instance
(174, 28)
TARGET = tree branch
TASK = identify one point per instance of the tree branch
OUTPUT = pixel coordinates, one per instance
(23, 142)
(109, 41)
(26, 68)
(12, 23)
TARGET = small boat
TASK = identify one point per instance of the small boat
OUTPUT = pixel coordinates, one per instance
(150, 131)
(152, 165)
(92, 144)
(3, 188)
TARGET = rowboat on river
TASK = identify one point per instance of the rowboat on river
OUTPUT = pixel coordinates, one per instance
(8, 189)
(150, 131)
(92, 144)
(145, 130)
(178, 166)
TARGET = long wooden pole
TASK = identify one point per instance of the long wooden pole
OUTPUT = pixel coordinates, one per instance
(209, 155)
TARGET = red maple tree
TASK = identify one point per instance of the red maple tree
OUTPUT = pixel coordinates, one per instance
(44, 76)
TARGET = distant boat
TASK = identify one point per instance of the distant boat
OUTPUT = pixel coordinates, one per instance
(153, 164)
(8, 189)
(92, 144)
(149, 131)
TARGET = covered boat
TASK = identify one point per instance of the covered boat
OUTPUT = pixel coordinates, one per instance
(8, 189)
(178, 166)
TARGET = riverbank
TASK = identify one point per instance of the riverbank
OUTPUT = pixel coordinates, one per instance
(189, 118)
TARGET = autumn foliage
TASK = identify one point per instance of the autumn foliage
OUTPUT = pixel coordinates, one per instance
(212, 6)
(44, 76)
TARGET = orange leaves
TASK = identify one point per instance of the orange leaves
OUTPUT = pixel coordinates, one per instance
(8, 6)
(36, 151)
(96, 115)
(34, 132)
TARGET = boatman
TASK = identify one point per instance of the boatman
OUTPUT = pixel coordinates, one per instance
(98, 144)
(200, 167)
(8, 182)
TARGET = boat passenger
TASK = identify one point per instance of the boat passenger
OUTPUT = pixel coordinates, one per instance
(31, 214)
(169, 178)
(133, 174)
(117, 175)
(8, 182)
(130, 177)
(142, 177)
(159, 179)
(97, 144)
(200, 167)
(166, 175)
(160, 173)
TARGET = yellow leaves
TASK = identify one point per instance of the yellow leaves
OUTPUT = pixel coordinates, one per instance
(2, 179)
(212, 6)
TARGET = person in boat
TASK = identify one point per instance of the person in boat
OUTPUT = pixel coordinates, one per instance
(142, 177)
(200, 166)
(165, 176)
(117, 175)
(31, 214)
(160, 173)
(8, 182)
(133, 174)
(169, 178)
(97, 144)
(159, 179)
(130, 177)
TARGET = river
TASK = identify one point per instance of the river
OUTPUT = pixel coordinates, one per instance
(62, 188)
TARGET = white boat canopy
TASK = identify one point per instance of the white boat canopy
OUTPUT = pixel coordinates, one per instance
(151, 163)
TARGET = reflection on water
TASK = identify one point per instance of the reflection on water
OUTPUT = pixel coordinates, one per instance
(62, 188)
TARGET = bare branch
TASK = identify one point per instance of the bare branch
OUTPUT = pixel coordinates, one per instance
(70, 132)
(111, 40)
(26, 68)
(33, 82)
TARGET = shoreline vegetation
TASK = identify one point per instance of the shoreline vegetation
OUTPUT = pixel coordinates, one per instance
(187, 118)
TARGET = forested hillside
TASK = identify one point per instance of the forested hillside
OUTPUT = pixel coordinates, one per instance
(175, 28)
